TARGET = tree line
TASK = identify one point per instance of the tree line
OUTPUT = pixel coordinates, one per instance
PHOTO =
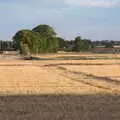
(6, 45)
(44, 39)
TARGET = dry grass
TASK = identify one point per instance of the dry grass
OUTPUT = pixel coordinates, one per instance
(61, 89)
(45, 77)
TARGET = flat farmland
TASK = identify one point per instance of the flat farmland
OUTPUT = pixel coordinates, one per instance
(72, 86)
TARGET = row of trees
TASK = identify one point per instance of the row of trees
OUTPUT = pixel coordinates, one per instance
(77, 45)
(80, 44)
(6, 45)
(105, 43)
(43, 39)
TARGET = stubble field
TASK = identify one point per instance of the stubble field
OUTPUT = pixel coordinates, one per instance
(61, 87)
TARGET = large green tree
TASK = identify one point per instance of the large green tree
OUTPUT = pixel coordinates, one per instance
(24, 41)
(51, 43)
(39, 40)
(45, 30)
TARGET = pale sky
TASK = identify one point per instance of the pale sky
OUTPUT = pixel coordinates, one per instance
(93, 19)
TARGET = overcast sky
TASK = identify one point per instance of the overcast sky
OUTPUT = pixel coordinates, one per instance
(94, 19)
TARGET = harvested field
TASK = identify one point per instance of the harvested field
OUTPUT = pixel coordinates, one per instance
(71, 88)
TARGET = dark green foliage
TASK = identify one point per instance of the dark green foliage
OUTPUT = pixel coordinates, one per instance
(49, 41)
(24, 40)
(45, 30)
(52, 44)
(43, 39)
(78, 44)
(87, 44)
(108, 44)
(69, 45)
(105, 43)
(39, 40)
(61, 43)
(82, 44)
(6, 45)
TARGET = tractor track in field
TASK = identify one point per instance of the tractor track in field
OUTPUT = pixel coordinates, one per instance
(58, 64)
(88, 79)
(112, 85)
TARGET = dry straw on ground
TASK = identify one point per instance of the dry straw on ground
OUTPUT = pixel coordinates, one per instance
(61, 89)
